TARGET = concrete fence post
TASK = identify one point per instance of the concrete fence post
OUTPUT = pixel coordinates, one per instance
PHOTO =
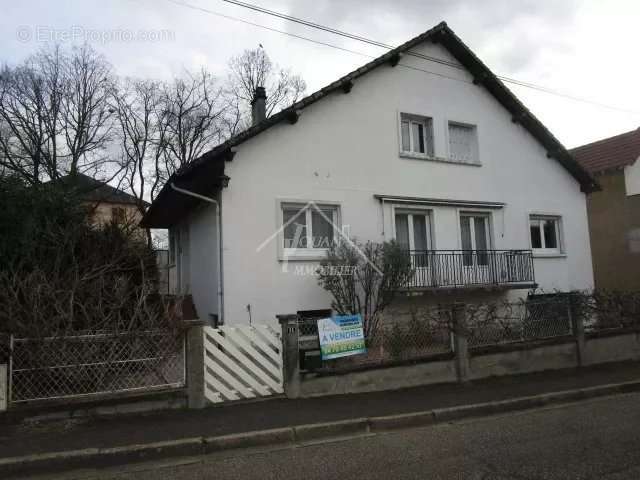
(195, 368)
(461, 346)
(577, 326)
(290, 354)
(4, 387)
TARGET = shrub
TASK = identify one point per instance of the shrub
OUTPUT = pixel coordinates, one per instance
(60, 274)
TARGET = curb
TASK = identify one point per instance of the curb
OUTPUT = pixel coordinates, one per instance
(103, 457)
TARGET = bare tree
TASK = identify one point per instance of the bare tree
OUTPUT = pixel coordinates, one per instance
(141, 131)
(254, 68)
(86, 114)
(364, 278)
(54, 114)
(194, 109)
(163, 127)
(24, 115)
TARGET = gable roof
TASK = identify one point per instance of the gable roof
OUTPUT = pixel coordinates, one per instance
(609, 153)
(92, 190)
(161, 214)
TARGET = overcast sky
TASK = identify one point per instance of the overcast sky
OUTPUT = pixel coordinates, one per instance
(583, 48)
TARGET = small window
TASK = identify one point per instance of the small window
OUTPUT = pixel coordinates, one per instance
(545, 234)
(310, 228)
(118, 215)
(463, 143)
(416, 135)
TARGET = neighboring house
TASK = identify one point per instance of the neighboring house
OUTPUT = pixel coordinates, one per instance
(614, 212)
(104, 203)
(438, 155)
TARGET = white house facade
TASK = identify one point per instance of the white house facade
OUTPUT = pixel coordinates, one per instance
(433, 154)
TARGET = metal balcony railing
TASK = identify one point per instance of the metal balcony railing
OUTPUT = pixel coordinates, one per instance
(468, 268)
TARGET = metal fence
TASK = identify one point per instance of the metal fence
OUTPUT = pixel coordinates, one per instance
(429, 332)
(95, 364)
(503, 323)
(608, 311)
(459, 268)
(422, 336)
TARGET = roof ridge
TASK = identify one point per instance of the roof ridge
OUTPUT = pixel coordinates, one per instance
(441, 34)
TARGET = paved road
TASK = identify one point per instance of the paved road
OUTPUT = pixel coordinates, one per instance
(598, 439)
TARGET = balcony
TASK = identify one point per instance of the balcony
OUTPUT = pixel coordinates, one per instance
(454, 269)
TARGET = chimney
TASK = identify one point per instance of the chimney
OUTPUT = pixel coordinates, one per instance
(258, 106)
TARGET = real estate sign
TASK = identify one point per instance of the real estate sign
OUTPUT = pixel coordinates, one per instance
(341, 336)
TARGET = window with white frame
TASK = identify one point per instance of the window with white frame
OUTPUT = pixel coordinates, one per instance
(463, 143)
(413, 229)
(545, 234)
(308, 229)
(416, 135)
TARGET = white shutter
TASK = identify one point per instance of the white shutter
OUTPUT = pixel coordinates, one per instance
(462, 143)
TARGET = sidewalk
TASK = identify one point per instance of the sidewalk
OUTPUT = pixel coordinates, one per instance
(116, 431)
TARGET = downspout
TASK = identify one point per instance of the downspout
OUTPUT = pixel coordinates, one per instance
(218, 225)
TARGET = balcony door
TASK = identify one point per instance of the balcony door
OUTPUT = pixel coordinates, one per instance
(475, 241)
(413, 233)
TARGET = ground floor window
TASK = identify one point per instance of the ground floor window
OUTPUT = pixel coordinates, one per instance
(309, 228)
(475, 236)
(413, 230)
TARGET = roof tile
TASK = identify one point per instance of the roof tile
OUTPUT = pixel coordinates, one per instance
(610, 153)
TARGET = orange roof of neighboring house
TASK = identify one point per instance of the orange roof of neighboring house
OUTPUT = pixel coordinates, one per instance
(610, 153)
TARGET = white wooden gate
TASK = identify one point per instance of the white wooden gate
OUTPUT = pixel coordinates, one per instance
(242, 362)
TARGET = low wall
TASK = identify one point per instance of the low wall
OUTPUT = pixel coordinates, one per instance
(524, 359)
(387, 378)
(606, 347)
(510, 359)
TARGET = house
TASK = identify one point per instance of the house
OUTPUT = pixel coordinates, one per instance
(104, 202)
(614, 212)
(423, 144)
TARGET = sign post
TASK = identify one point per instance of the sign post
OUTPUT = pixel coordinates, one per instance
(341, 336)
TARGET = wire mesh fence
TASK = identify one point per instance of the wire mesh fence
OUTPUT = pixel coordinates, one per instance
(608, 310)
(424, 335)
(429, 332)
(95, 364)
(502, 323)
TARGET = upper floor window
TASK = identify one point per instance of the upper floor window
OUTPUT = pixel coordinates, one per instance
(463, 143)
(118, 215)
(545, 234)
(308, 229)
(416, 135)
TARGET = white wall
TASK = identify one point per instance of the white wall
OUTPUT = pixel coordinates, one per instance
(632, 178)
(345, 149)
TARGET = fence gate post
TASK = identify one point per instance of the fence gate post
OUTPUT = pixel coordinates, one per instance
(461, 346)
(577, 325)
(194, 360)
(290, 354)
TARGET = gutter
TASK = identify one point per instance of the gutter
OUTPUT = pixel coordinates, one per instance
(218, 225)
